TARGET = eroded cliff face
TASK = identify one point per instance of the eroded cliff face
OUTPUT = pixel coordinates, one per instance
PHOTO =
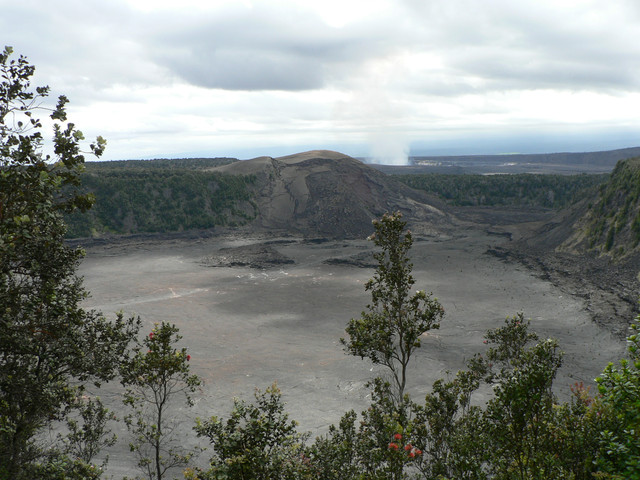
(592, 249)
(611, 224)
(330, 194)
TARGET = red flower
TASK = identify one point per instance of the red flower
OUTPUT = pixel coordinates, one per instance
(393, 446)
(408, 447)
(151, 335)
(411, 454)
(397, 436)
(188, 357)
(418, 452)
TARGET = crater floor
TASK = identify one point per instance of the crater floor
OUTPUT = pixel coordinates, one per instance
(248, 327)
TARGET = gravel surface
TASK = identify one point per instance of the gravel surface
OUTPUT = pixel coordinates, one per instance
(247, 327)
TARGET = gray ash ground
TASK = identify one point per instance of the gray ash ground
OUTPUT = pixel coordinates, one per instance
(609, 289)
(248, 327)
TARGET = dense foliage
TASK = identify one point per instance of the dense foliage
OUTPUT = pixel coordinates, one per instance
(528, 190)
(619, 389)
(141, 198)
(161, 163)
(613, 224)
(50, 348)
(258, 441)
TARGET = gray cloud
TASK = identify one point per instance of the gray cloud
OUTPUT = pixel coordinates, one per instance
(287, 72)
(82, 47)
(266, 49)
(499, 44)
(532, 48)
(504, 45)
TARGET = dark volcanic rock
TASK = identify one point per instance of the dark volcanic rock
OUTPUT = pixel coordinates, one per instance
(609, 290)
(361, 260)
(254, 256)
(328, 194)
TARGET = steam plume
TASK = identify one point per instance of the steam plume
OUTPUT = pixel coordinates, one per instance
(389, 149)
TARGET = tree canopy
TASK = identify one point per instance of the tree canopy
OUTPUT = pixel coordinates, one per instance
(389, 331)
(50, 347)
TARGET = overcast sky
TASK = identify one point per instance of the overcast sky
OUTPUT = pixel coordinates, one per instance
(244, 78)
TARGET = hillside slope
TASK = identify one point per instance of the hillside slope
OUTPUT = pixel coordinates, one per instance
(611, 223)
(329, 194)
(317, 193)
(605, 222)
(592, 248)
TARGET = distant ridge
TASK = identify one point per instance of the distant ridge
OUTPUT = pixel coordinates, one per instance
(545, 163)
(604, 157)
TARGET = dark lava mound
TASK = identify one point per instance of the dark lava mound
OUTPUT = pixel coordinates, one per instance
(327, 194)
(255, 256)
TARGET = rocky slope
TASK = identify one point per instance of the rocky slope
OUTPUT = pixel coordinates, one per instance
(325, 193)
(593, 248)
(611, 223)
(607, 223)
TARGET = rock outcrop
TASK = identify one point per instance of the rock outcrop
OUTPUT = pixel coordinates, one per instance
(325, 193)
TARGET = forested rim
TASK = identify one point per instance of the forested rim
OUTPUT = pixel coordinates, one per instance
(527, 190)
(161, 196)
(155, 199)
(161, 163)
(614, 218)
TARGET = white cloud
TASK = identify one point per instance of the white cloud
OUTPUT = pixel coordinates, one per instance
(160, 78)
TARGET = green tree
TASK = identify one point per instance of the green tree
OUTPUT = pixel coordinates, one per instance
(87, 438)
(334, 456)
(575, 433)
(257, 442)
(389, 331)
(383, 446)
(619, 387)
(448, 429)
(50, 348)
(153, 377)
(518, 417)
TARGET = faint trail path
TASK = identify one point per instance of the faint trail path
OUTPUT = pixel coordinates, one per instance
(138, 300)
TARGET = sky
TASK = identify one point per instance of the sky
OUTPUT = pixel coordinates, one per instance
(373, 78)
